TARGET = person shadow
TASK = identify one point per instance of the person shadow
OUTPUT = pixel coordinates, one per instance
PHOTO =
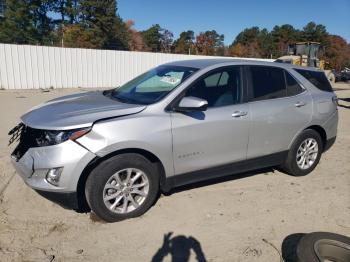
(179, 248)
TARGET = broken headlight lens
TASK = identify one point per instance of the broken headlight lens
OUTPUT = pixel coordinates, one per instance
(53, 137)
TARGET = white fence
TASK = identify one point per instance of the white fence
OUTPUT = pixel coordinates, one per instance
(30, 67)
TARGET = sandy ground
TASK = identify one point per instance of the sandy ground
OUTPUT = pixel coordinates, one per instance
(245, 218)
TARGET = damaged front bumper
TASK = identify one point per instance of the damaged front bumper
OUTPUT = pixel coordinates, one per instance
(36, 162)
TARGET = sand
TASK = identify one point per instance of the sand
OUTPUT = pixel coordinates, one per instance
(243, 218)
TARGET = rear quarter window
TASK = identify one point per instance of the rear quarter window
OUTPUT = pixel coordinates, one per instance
(293, 87)
(318, 79)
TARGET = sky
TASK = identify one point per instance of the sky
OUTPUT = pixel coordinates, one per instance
(231, 17)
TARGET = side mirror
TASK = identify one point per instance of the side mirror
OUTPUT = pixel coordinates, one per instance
(190, 103)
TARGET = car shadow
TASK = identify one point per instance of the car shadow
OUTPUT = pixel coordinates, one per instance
(179, 248)
(289, 247)
(219, 180)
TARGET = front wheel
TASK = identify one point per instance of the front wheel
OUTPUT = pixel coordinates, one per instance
(304, 154)
(122, 187)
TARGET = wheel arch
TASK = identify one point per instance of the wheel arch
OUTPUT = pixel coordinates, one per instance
(321, 131)
(82, 203)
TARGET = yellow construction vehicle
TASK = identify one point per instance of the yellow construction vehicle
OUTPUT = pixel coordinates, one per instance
(306, 54)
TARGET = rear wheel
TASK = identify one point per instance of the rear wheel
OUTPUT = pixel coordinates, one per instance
(304, 154)
(122, 187)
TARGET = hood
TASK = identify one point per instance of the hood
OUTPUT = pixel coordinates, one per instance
(78, 110)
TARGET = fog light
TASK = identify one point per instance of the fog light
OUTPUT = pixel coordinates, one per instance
(53, 175)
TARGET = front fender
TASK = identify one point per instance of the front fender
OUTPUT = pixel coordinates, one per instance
(148, 133)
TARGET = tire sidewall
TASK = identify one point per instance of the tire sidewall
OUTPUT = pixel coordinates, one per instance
(102, 173)
(305, 248)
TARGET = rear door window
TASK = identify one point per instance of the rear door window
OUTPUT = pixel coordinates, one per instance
(318, 79)
(267, 83)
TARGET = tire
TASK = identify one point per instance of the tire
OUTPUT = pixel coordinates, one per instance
(319, 246)
(109, 180)
(291, 166)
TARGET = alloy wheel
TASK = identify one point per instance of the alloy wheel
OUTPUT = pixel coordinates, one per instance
(307, 153)
(126, 190)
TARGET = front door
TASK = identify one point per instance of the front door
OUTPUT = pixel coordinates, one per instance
(218, 135)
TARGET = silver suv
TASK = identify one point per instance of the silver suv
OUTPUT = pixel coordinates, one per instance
(182, 122)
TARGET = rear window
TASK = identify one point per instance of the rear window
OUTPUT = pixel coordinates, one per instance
(318, 79)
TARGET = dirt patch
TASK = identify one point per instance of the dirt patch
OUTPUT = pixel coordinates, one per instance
(228, 219)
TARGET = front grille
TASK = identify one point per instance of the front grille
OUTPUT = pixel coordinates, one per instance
(27, 138)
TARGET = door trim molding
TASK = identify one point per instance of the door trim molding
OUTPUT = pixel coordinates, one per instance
(225, 170)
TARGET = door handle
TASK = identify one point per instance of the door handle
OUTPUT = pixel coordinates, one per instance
(239, 113)
(300, 104)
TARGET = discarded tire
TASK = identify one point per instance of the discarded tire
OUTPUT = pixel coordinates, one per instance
(323, 246)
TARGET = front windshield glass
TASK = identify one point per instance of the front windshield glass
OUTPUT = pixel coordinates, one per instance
(153, 85)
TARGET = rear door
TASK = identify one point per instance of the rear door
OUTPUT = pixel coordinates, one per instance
(279, 106)
(218, 135)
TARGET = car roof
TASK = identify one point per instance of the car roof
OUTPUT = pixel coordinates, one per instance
(207, 62)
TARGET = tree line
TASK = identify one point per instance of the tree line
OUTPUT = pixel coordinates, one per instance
(97, 24)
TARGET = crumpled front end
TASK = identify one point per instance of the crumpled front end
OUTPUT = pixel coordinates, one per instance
(51, 170)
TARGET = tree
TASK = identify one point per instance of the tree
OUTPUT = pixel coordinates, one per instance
(238, 50)
(316, 33)
(247, 36)
(166, 40)
(99, 18)
(42, 22)
(67, 10)
(184, 44)
(253, 42)
(266, 45)
(26, 22)
(337, 54)
(282, 36)
(247, 43)
(76, 36)
(209, 43)
(136, 42)
(151, 37)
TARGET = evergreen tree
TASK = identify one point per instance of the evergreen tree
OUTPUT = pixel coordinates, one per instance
(67, 10)
(316, 33)
(247, 36)
(282, 36)
(152, 38)
(26, 22)
(100, 20)
(184, 44)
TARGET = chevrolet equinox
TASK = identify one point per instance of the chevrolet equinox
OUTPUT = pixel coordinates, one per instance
(113, 151)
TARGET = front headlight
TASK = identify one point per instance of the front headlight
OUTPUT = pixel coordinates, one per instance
(53, 137)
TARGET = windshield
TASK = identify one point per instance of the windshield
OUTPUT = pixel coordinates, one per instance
(153, 85)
